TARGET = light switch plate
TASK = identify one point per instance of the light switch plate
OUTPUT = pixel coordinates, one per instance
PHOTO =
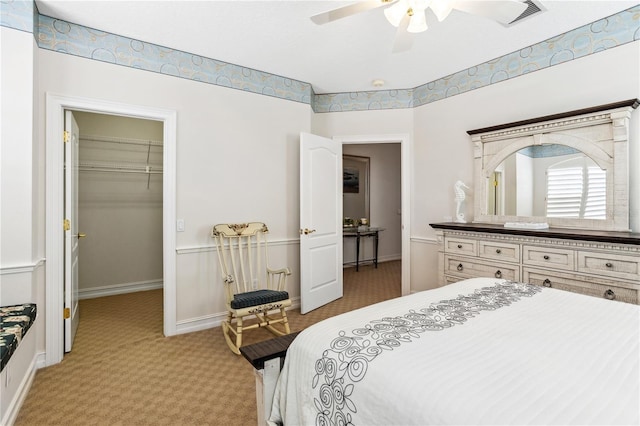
(180, 225)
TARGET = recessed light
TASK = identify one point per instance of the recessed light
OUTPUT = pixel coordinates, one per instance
(377, 83)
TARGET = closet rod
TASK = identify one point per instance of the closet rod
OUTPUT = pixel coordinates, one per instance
(113, 170)
(125, 141)
(119, 167)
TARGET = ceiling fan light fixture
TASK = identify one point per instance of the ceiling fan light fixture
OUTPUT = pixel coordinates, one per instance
(441, 8)
(418, 22)
(396, 12)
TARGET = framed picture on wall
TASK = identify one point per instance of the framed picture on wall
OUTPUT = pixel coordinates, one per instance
(355, 186)
(355, 173)
(350, 180)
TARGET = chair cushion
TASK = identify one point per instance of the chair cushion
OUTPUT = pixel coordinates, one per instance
(257, 297)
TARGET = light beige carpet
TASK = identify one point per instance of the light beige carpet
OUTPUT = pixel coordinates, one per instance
(123, 371)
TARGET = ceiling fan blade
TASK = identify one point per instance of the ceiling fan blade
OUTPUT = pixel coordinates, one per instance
(404, 39)
(502, 11)
(352, 9)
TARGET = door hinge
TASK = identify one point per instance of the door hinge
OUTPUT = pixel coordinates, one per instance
(67, 313)
(66, 136)
(67, 224)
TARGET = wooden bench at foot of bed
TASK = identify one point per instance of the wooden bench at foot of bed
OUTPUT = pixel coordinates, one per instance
(267, 358)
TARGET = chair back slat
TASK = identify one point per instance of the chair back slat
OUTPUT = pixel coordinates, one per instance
(242, 255)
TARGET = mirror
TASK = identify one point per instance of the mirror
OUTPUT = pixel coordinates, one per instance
(550, 180)
(355, 189)
(570, 170)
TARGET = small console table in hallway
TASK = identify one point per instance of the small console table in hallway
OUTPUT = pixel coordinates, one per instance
(358, 233)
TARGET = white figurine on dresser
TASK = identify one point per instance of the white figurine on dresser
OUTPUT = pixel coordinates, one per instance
(458, 188)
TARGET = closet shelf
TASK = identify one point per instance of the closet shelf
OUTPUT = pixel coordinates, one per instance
(125, 141)
(102, 166)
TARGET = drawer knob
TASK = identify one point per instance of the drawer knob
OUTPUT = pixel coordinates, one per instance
(460, 267)
(608, 264)
(459, 245)
(498, 251)
(545, 257)
(609, 294)
(546, 282)
(498, 274)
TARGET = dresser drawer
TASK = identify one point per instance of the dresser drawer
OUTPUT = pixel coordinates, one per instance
(607, 289)
(499, 251)
(471, 268)
(461, 246)
(548, 257)
(608, 264)
(450, 279)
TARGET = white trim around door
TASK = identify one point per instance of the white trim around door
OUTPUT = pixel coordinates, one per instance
(405, 152)
(55, 106)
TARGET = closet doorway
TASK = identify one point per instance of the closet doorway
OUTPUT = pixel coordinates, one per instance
(120, 204)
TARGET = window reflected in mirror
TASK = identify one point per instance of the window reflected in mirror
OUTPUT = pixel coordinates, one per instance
(549, 180)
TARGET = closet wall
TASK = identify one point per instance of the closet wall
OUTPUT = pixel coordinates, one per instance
(120, 204)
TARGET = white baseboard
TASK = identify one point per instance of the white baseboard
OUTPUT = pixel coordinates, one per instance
(390, 257)
(112, 290)
(214, 320)
(381, 259)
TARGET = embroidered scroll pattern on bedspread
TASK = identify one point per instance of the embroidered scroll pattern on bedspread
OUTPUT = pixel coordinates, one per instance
(346, 362)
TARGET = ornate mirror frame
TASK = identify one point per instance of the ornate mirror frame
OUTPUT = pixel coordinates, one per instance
(602, 133)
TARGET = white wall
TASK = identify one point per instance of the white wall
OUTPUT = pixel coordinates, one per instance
(21, 207)
(21, 202)
(120, 212)
(385, 200)
(237, 160)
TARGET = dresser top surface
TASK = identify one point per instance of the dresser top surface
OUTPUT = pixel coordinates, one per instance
(568, 234)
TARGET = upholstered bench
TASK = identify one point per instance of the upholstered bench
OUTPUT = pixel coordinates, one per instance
(15, 321)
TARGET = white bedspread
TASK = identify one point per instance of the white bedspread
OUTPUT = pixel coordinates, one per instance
(552, 357)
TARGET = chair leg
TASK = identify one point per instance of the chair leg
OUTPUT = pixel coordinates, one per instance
(239, 333)
(227, 329)
(280, 330)
(285, 321)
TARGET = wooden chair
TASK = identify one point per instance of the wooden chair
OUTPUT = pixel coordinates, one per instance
(252, 288)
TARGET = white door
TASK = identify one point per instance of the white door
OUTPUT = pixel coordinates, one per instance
(72, 237)
(320, 221)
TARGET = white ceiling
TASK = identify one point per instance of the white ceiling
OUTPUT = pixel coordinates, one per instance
(343, 56)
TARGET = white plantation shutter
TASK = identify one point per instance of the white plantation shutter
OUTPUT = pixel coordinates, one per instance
(596, 203)
(576, 191)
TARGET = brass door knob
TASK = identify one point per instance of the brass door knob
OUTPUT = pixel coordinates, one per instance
(80, 235)
(308, 231)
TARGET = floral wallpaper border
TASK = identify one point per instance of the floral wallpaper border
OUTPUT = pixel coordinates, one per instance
(65, 37)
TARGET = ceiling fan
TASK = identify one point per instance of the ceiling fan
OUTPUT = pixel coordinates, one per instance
(409, 16)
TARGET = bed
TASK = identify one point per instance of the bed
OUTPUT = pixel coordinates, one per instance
(480, 351)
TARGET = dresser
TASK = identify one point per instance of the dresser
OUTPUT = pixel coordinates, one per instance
(596, 263)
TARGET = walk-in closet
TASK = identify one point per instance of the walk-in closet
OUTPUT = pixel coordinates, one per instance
(119, 205)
